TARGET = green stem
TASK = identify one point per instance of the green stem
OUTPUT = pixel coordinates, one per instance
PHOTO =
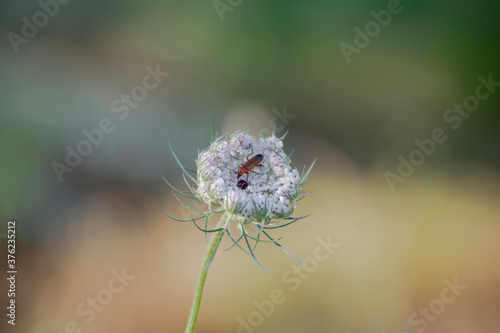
(212, 246)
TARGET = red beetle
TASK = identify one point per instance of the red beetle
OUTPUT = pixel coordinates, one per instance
(250, 164)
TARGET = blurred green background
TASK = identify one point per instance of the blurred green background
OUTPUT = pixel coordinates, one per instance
(242, 63)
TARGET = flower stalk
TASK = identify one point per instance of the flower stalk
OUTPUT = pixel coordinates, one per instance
(212, 247)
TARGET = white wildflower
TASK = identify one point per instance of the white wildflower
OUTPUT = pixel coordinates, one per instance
(218, 168)
(257, 195)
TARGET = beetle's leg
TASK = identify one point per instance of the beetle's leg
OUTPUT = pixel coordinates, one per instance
(250, 154)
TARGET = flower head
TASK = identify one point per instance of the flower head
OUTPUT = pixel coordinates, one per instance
(250, 182)
(265, 192)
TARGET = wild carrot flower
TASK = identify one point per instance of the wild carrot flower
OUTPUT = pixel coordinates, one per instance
(257, 201)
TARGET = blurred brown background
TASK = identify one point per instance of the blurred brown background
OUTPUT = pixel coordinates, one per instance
(279, 63)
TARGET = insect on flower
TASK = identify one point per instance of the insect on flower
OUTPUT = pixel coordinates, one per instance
(242, 184)
(250, 164)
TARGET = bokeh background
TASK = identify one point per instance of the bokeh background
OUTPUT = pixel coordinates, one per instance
(244, 66)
